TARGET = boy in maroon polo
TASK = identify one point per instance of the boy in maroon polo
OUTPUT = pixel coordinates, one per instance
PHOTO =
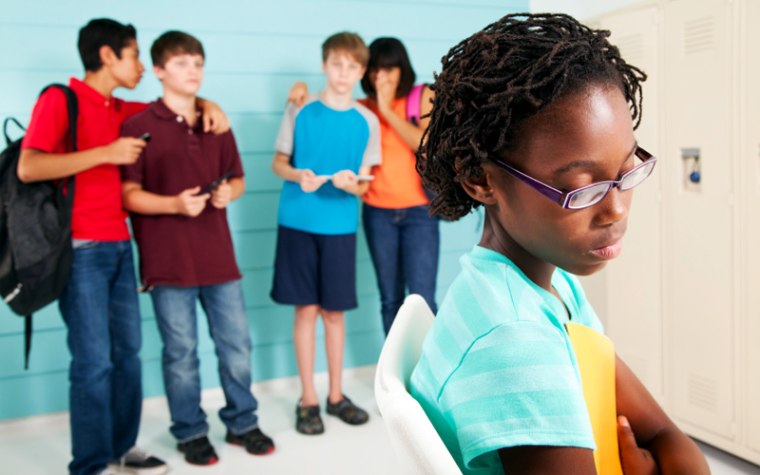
(178, 192)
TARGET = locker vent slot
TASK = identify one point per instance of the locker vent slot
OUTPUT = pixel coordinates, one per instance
(703, 393)
(631, 48)
(698, 35)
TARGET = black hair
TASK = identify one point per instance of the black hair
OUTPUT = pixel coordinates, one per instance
(102, 32)
(389, 52)
(173, 43)
(501, 76)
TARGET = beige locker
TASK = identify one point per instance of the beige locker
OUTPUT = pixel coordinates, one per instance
(633, 282)
(699, 217)
(749, 127)
(708, 121)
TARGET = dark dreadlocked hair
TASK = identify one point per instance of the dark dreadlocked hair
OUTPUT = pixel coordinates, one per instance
(494, 80)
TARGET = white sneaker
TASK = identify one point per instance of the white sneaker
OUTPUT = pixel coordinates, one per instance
(138, 462)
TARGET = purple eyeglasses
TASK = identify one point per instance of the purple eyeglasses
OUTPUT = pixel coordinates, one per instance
(592, 194)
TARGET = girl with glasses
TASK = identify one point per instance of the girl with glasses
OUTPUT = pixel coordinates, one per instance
(533, 120)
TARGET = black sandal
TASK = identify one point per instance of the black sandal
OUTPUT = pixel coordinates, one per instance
(308, 420)
(347, 411)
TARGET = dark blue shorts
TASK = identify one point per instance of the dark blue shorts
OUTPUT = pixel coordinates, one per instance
(315, 269)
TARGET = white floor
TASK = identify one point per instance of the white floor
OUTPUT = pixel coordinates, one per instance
(40, 445)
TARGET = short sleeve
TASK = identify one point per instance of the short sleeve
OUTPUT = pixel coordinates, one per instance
(49, 126)
(230, 155)
(372, 152)
(133, 172)
(516, 386)
(284, 141)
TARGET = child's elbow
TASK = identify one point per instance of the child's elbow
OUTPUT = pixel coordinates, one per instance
(23, 171)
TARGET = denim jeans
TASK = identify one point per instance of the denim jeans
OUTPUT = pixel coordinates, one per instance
(404, 245)
(177, 322)
(99, 306)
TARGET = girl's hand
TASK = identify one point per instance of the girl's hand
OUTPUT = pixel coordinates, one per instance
(298, 93)
(634, 459)
(385, 91)
(222, 195)
(311, 182)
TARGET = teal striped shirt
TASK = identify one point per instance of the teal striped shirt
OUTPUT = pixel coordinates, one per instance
(497, 368)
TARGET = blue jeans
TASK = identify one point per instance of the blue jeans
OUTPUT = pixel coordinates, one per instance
(99, 306)
(177, 322)
(404, 245)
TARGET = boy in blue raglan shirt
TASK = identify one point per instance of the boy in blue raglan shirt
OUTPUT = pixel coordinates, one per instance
(324, 152)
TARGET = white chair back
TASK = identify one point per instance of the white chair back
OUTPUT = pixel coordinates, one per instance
(415, 440)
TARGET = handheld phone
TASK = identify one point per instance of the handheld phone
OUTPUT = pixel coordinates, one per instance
(145, 136)
(358, 177)
(215, 184)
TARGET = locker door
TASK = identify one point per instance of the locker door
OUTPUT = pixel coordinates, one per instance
(634, 280)
(699, 217)
(750, 156)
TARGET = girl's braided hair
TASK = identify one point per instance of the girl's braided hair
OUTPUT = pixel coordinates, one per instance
(494, 80)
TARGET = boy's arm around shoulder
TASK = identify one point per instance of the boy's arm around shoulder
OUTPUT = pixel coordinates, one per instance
(651, 430)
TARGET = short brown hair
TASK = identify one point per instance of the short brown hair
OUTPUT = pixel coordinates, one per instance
(173, 43)
(348, 42)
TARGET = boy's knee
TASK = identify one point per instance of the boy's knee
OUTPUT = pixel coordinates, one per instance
(332, 317)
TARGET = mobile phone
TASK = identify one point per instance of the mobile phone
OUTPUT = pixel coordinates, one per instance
(358, 177)
(145, 136)
(215, 184)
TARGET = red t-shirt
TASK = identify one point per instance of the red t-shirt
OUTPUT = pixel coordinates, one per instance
(98, 213)
(176, 249)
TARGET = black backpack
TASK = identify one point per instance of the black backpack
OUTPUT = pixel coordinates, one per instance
(35, 231)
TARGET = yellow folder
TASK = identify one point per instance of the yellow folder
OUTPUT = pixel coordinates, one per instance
(595, 354)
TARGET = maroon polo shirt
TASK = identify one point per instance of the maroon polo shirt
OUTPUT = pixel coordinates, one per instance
(176, 249)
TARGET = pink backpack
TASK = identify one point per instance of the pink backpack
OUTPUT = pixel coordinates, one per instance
(413, 104)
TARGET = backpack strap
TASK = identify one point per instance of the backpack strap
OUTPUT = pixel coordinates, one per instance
(73, 107)
(27, 339)
(414, 104)
(6, 123)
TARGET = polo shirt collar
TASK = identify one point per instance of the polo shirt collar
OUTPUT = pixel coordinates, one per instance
(163, 112)
(85, 91)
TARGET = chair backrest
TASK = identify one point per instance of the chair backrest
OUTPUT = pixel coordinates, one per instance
(415, 440)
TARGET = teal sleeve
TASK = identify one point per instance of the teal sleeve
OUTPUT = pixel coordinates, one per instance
(517, 385)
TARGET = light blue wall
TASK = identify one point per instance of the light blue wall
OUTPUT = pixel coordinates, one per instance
(255, 50)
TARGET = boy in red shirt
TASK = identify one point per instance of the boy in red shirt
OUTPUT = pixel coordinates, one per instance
(99, 304)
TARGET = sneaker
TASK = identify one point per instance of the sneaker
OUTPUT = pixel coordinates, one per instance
(254, 441)
(138, 462)
(198, 451)
(347, 411)
(308, 420)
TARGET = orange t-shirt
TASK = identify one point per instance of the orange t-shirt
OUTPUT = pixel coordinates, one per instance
(396, 183)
